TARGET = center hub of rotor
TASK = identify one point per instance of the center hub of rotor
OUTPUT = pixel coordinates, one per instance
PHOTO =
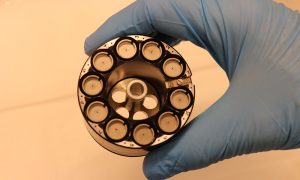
(135, 99)
(137, 90)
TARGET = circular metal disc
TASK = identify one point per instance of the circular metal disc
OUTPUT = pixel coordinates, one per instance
(135, 92)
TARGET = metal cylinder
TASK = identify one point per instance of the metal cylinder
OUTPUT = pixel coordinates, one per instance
(135, 93)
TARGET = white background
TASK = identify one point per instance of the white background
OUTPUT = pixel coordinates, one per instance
(42, 134)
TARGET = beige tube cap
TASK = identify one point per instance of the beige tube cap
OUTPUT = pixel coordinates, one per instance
(143, 134)
(116, 129)
(126, 49)
(172, 67)
(168, 122)
(103, 61)
(92, 85)
(97, 111)
(180, 99)
(152, 51)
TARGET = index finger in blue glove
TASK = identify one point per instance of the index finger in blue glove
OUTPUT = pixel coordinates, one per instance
(200, 22)
(159, 19)
(131, 20)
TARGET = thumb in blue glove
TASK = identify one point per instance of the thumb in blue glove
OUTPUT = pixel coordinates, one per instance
(257, 43)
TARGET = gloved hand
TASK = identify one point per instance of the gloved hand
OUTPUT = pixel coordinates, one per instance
(257, 43)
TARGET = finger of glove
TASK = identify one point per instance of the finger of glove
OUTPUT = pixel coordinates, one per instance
(131, 20)
(167, 39)
(138, 18)
(218, 26)
(231, 127)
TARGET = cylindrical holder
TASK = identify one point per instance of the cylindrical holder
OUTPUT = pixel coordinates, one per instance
(135, 93)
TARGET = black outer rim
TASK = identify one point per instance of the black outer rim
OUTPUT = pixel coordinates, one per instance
(109, 53)
(188, 91)
(91, 74)
(132, 41)
(170, 56)
(161, 46)
(168, 133)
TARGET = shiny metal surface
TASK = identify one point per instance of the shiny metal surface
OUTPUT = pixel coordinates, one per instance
(125, 90)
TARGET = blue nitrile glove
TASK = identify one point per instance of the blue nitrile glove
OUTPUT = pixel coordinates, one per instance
(257, 43)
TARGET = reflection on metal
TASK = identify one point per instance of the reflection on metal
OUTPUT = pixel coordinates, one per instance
(135, 93)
